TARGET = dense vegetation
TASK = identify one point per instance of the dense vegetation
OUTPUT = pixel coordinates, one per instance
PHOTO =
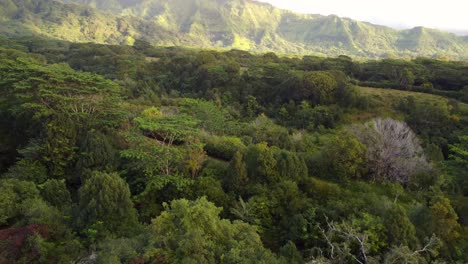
(239, 24)
(136, 154)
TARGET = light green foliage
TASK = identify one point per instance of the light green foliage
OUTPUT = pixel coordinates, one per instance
(155, 155)
(223, 147)
(157, 164)
(55, 90)
(195, 158)
(211, 117)
(192, 232)
(151, 168)
(168, 129)
(105, 198)
(373, 227)
(459, 151)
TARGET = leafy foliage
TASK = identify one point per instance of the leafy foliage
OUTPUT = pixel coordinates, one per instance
(193, 232)
(297, 163)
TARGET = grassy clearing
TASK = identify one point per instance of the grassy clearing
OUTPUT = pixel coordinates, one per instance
(387, 98)
(383, 101)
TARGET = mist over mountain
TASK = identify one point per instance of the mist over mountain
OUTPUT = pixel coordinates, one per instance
(238, 24)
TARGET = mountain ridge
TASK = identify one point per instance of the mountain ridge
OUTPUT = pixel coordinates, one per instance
(239, 24)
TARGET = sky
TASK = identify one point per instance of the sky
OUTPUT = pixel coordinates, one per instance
(451, 15)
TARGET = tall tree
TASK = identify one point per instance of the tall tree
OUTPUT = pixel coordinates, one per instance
(192, 232)
(105, 201)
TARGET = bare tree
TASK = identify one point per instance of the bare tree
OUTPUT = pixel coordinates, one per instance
(340, 237)
(403, 254)
(393, 149)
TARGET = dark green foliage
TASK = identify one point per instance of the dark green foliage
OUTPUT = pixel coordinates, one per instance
(284, 213)
(55, 193)
(96, 152)
(237, 176)
(28, 170)
(106, 205)
(120, 250)
(291, 166)
(343, 159)
(261, 164)
(399, 229)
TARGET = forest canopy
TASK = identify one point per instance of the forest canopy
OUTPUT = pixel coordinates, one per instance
(141, 154)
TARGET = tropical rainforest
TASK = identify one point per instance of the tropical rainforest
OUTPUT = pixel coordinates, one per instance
(143, 154)
(123, 139)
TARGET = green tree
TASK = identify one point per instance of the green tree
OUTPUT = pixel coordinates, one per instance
(459, 151)
(51, 90)
(105, 198)
(13, 193)
(96, 152)
(284, 213)
(398, 227)
(237, 173)
(445, 219)
(261, 164)
(60, 245)
(319, 87)
(192, 232)
(28, 170)
(407, 78)
(344, 158)
(290, 166)
(168, 129)
(195, 159)
(55, 192)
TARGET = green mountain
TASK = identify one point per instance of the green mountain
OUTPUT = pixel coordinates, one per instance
(240, 24)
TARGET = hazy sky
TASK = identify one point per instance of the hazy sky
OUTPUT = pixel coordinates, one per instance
(442, 14)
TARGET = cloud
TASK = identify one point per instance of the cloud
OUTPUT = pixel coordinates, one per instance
(447, 14)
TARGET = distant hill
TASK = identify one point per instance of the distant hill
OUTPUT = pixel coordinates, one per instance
(239, 24)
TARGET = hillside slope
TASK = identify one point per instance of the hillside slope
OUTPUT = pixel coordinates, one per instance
(240, 24)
